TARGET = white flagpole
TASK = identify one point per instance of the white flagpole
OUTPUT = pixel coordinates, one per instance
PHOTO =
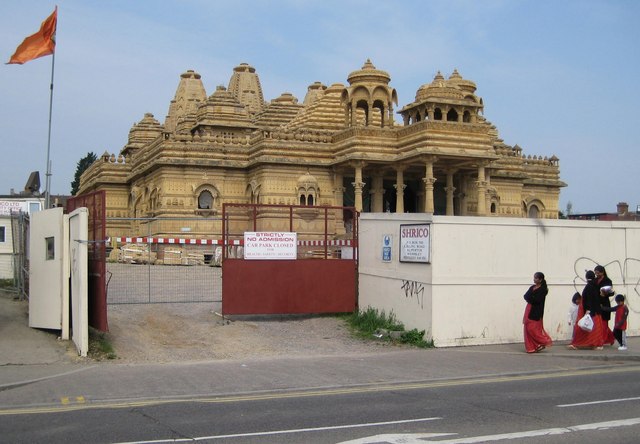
(47, 191)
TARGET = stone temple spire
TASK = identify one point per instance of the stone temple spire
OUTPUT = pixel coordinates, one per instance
(189, 95)
(245, 86)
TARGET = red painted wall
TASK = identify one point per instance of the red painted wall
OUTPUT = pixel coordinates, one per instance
(306, 286)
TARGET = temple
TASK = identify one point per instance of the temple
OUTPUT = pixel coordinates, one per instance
(342, 146)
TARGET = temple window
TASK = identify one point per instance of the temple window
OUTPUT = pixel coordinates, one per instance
(377, 114)
(205, 200)
(437, 114)
(534, 212)
(452, 115)
(307, 199)
(466, 117)
(362, 113)
(307, 189)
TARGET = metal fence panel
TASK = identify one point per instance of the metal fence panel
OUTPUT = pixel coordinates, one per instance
(146, 269)
(148, 284)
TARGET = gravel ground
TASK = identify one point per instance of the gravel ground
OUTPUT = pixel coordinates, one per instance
(194, 332)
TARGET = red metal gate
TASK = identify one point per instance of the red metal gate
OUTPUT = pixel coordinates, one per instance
(323, 278)
(95, 203)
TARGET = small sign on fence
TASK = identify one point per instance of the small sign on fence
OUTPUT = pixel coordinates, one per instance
(270, 245)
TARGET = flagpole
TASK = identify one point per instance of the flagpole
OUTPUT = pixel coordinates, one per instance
(47, 191)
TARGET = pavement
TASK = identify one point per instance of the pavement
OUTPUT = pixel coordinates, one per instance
(38, 369)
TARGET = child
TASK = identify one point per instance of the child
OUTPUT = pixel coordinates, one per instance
(620, 327)
(576, 300)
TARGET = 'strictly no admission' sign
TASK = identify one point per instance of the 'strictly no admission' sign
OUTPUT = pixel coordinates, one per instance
(270, 245)
(415, 243)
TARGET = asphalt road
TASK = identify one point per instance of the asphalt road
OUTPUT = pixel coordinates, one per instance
(599, 404)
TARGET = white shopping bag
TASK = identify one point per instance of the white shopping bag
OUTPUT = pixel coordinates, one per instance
(586, 323)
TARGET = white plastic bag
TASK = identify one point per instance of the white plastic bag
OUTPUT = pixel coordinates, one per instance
(586, 323)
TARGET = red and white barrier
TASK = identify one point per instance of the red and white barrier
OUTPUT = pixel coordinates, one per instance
(179, 241)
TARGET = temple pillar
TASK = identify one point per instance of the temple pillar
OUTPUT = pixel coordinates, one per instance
(338, 201)
(338, 190)
(482, 190)
(377, 193)
(358, 185)
(428, 180)
(450, 189)
(400, 186)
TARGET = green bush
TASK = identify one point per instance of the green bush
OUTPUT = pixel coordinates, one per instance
(368, 321)
(415, 337)
(365, 323)
(100, 346)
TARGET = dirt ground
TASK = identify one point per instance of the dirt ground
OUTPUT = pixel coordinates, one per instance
(194, 332)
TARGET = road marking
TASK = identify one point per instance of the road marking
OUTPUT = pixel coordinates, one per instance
(416, 437)
(302, 393)
(282, 432)
(604, 401)
(66, 401)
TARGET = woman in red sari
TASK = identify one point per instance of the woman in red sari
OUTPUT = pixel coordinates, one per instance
(590, 305)
(535, 337)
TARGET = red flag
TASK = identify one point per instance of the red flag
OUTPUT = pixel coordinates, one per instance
(40, 44)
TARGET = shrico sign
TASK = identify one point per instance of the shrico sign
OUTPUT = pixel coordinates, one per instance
(415, 242)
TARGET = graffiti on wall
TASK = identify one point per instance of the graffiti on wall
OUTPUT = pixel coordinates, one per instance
(413, 290)
(624, 275)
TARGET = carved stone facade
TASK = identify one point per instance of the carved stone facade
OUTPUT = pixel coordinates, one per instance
(340, 147)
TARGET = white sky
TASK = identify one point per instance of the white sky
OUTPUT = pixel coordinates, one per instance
(556, 77)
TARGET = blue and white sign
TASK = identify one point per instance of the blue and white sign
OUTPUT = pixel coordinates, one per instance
(387, 243)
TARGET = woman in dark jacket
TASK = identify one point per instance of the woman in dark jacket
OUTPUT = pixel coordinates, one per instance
(605, 287)
(535, 337)
(591, 306)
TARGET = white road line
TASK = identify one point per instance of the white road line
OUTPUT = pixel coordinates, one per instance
(416, 438)
(281, 432)
(605, 401)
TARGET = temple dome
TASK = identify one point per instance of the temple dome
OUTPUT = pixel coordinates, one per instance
(245, 86)
(307, 181)
(141, 133)
(369, 74)
(455, 88)
(464, 84)
(314, 91)
(189, 94)
(223, 109)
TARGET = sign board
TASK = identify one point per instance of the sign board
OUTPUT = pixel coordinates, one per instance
(415, 243)
(270, 245)
(387, 244)
(13, 206)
